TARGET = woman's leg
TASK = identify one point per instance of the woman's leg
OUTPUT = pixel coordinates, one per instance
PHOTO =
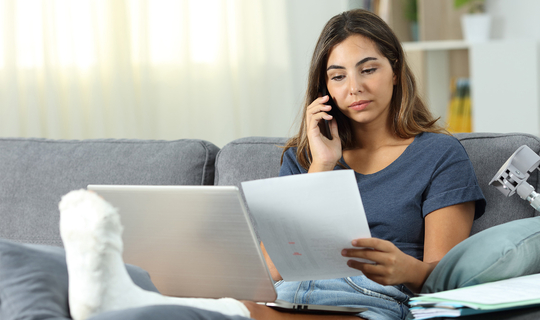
(382, 302)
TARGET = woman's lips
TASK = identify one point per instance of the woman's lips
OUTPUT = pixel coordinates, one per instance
(359, 105)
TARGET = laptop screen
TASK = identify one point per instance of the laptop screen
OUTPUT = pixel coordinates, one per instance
(195, 241)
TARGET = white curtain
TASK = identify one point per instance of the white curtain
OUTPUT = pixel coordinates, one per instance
(152, 69)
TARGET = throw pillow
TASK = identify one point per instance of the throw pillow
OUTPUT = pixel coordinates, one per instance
(34, 281)
(505, 251)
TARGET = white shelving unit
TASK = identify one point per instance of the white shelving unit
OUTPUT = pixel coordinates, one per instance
(435, 70)
(435, 45)
(505, 82)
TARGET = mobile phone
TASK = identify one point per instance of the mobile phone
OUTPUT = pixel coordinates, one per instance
(326, 127)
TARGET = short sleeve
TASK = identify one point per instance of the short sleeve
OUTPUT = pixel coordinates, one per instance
(453, 181)
(290, 164)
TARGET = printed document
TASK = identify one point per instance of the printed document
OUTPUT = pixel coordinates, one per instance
(305, 221)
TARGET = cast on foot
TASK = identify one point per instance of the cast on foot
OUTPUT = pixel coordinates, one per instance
(98, 281)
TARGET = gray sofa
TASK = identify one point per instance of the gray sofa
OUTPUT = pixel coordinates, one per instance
(35, 173)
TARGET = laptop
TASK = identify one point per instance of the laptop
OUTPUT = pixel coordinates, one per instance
(198, 241)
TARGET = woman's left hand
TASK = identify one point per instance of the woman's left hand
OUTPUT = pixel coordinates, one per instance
(391, 267)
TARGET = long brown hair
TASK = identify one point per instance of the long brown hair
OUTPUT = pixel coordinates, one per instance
(408, 113)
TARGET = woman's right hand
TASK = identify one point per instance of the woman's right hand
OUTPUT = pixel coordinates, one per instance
(325, 152)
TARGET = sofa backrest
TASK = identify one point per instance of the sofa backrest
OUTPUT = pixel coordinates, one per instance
(35, 173)
(257, 157)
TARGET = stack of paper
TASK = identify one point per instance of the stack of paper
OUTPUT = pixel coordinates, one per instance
(501, 295)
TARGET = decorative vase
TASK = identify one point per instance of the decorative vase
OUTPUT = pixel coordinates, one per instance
(414, 30)
(476, 27)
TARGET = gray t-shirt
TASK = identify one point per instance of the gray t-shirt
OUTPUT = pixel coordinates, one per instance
(432, 173)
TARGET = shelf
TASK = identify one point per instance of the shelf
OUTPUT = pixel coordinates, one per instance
(435, 45)
(434, 65)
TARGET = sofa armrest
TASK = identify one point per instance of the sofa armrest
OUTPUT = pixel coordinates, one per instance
(488, 152)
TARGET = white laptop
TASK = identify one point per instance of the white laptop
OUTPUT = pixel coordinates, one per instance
(197, 241)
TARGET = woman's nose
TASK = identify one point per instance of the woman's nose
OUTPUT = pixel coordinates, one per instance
(355, 86)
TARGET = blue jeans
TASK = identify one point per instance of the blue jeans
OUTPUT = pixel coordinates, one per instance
(383, 302)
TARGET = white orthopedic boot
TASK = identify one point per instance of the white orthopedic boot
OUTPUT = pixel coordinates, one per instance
(98, 281)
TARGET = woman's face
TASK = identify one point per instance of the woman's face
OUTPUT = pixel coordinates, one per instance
(360, 80)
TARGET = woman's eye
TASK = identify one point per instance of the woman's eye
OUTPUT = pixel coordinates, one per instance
(337, 78)
(369, 71)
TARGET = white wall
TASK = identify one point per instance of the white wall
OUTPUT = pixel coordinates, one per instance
(306, 19)
(514, 19)
(506, 101)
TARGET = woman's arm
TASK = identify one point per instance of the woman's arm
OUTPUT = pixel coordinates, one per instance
(271, 267)
(325, 153)
(444, 228)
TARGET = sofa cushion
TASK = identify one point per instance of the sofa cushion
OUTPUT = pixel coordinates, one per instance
(34, 281)
(488, 152)
(164, 312)
(35, 173)
(248, 159)
(505, 251)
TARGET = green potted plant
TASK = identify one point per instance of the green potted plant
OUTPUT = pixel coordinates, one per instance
(474, 6)
(410, 11)
(476, 23)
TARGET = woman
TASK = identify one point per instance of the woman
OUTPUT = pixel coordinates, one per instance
(418, 186)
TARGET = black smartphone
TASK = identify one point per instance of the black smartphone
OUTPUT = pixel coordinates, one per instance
(326, 128)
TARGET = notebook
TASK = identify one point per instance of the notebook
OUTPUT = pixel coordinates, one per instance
(197, 241)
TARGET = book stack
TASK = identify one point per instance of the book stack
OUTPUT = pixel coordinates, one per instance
(520, 292)
(459, 116)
